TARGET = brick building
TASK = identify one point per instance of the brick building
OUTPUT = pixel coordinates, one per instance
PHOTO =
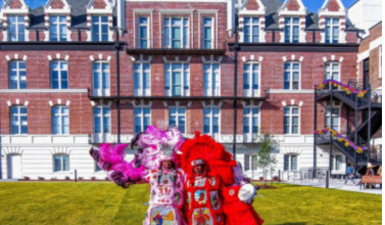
(76, 73)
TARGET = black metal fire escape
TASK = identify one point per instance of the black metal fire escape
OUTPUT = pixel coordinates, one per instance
(367, 120)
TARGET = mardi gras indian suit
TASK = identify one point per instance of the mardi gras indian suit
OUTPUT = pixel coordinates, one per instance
(216, 192)
(154, 147)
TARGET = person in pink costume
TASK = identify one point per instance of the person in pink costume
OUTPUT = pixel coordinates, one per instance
(155, 163)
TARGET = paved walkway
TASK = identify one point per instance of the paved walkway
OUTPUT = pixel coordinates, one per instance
(338, 184)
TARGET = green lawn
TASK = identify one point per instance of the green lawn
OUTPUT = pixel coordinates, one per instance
(28, 203)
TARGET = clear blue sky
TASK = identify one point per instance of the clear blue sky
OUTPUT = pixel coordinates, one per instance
(312, 5)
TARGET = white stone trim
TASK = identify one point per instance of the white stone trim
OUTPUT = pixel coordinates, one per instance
(60, 150)
(334, 105)
(16, 57)
(333, 58)
(323, 11)
(101, 103)
(375, 44)
(211, 59)
(58, 57)
(284, 104)
(284, 11)
(141, 104)
(100, 57)
(176, 59)
(252, 104)
(12, 150)
(293, 102)
(286, 91)
(252, 58)
(212, 104)
(17, 102)
(59, 102)
(142, 59)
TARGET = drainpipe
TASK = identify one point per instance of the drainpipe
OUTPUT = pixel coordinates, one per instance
(236, 48)
(117, 47)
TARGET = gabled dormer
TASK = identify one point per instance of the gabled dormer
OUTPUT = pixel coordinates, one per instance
(292, 21)
(16, 21)
(57, 20)
(100, 20)
(252, 21)
(332, 19)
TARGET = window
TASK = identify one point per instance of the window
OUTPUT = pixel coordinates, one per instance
(208, 36)
(142, 79)
(60, 120)
(101, 78)
(58, 28)
(251, 162)
(59, 75)
(61, 162)
(102, 120)
(292, 73)
(177, 79)
(19, 121)
(251, 120)
(332, 72)
(251, 29)
(143, 32)
(176, 32)
(291, 120)
(142, 119)
(17, 75)
(211, 121)
(177, 118)
(335, 118)
(291, 30)
(336, 162)
(16, 28)
(290, 162)
(99, 28)
(331, 30)
(250, 79)
(211, 79)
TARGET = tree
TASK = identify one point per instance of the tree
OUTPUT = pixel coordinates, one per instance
(266, 159)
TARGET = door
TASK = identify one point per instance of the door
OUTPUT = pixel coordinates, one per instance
(14, 166)
(366, 74)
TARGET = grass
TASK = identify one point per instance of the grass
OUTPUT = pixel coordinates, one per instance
(103, 203)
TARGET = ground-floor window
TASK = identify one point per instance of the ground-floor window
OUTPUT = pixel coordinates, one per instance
(290, 162)
(250, 162)
(61, 162)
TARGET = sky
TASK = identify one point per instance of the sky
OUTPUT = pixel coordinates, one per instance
(312, 5)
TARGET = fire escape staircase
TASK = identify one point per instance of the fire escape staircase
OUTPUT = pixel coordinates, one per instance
(368, 106)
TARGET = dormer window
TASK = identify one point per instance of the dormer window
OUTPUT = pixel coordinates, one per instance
(58, 28)
(99, 28)
(332, 30)
(251, 29)
(291, 30)
(16, 28)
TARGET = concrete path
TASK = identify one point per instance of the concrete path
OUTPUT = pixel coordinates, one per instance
(339, 185)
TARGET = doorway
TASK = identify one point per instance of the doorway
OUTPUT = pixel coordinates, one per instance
(14, 166)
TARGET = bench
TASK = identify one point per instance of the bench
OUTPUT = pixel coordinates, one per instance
(370, 180)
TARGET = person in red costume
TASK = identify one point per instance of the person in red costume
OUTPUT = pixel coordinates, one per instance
(215, 186)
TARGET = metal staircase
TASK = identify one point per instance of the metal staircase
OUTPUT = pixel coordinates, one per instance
(367, 111)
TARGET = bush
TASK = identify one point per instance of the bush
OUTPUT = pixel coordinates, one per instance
(27, 178)
(67, 178)
(41, 178)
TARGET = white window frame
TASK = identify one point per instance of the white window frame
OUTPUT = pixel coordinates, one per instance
(248, 137)
(290, 164)
(251, 92)
(327, 117)
(328, 74)
(61, 163)
(58, 24)
(331, 25)
(251, 25)
(334, 163)
(142, 116)
(291, 116)
(102, 115)
(101, 91)
(211, 117)
(17, 23)
(248, 160)
(292, 25)
(184, 92)
(18, 77)
(59, 73)
(19, 122)
(182, 26)
(212, 75)
(139, 32)
(142, 91)
(212, 33)
(60, 115)
(291, 71)
(177, 115)
(100, 25)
